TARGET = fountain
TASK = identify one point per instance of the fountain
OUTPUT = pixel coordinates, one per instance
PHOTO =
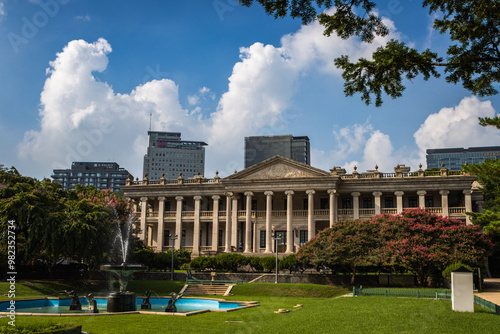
(75, 301)
(171, 303)
(123, 300)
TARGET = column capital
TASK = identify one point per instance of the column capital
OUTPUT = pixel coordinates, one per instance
(467, 191)
(355, 194)
(289, 192)
(421, 193)
(332, 191)
(197, 198)
(179, 198)
(161, 198)
(310, 192)
(399, 193)
(229, 194)
(377, 193)
(444, 192)
(268, 193)
(248, 193)
(216, 197)
(144, 199)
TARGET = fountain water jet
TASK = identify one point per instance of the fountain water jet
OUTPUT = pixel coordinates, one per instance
(123, 300)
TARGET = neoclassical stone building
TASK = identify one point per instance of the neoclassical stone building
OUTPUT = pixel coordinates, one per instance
(284, 199)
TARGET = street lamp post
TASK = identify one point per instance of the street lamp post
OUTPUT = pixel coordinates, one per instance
(172, 264)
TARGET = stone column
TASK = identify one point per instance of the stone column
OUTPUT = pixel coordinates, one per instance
(421, 198)
(310, 214)
(378, 207)
(248, 222)
(399, 201)
(289, 217)
(229, 196)
(468, 204)
(196, 228)
(150, 235)
(161, 210)
(215, 223)
(269, 238)
(144, 210)
(234, 221)
(178, 222)
(355, 204)
(333, 206)
(444, 202)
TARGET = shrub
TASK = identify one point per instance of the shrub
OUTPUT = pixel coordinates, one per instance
(254, 262)
(230, 262)
(288, 262)
(447, 271)
(268, 263)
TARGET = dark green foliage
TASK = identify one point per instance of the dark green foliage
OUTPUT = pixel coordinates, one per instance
(160, 261)
(230, 262)
(452, 267)
(268, 263)
(473, 59)
(488, 176)
(288, 262)
(255, 263)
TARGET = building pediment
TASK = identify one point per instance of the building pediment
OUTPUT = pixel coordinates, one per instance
(278, 168)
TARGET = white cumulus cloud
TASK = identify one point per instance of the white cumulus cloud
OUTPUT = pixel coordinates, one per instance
(457, 127)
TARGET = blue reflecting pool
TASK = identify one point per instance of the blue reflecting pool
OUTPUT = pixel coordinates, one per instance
(184, 305)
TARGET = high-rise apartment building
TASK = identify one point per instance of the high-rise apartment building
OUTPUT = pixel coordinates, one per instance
(168, 154)
(101, 175)
(454, 158)
(260, 148)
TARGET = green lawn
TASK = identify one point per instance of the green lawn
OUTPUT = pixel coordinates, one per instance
(318, 315)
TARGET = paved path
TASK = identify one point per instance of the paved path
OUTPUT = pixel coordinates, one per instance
(491, 290)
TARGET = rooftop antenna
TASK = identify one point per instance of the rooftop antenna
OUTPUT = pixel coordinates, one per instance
(150, 116)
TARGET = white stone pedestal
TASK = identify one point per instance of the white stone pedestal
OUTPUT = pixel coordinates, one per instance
(462, 295)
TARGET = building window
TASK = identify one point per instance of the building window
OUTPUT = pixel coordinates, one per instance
(389, 202)
(367, 203)
(219, 242)
(166, 238)
(183, 238)
(262, 239)
(429, 201)
(346, 203)
(254, 204)
(412, 202)
(324, 204)
(303, 237)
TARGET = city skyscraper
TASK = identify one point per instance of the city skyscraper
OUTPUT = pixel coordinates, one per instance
(454, 158)
(260, 148)
(168, 154)
(101, 175)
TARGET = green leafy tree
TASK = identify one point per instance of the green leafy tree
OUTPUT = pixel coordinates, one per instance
(473, 57)
(36, 208)
(488, 176)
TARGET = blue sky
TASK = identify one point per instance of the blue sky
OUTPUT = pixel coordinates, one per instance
(79, 80)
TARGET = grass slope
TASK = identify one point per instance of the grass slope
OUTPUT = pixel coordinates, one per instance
(318, 315)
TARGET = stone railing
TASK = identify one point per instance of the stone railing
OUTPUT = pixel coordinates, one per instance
(363, 212)
(355, 175)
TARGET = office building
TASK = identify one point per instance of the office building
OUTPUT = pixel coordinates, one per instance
(454, 158)
(101, 175)
(260, 148)
(295, 200)
(169, 155)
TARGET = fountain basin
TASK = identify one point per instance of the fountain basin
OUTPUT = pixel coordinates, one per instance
(185, 306)
(121, 302)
